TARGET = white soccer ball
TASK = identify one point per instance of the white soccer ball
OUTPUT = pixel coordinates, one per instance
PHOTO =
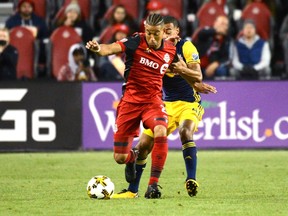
(100, 187)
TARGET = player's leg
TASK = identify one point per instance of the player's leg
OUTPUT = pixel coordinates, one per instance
(159, 153)
(186, 131)
(144, 147)
(158, 159)
(127, 127)
(189, 150)
(189, 120)
(157, 120)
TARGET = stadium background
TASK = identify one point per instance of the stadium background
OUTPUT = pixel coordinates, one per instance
(40, 114)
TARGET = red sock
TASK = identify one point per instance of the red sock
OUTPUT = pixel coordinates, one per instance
(159, 154)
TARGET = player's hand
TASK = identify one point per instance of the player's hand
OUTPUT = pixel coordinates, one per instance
(93, 45)
(204, 88)
(174, 38)
(177, 67)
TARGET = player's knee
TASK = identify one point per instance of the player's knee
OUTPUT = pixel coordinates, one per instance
(145, 145)
(186, 133)
(160, 131)
(120, 158)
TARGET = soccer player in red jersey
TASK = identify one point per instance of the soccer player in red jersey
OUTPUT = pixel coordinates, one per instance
(183, 105)
(147, 58)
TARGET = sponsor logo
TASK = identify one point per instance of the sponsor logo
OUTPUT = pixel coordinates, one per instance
(149, 63)
(153, 64)
(230, 126)
(40, 120)
(102, 128)
(224, 125)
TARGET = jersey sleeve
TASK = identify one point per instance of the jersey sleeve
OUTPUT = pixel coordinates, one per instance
(190, 53)
(129, 44)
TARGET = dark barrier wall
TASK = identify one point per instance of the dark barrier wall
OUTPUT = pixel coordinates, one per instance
(68, 116)
(240, 115)
(40, 116)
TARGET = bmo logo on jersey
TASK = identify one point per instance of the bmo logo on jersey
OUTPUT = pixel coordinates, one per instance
(155, 65)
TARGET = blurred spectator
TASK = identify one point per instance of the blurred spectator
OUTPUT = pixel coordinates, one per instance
(226, 7)
(8, 57)
(251, 55)
(153, 6)
(78, 66)
(72, 18)
(284, 39)
(117, 14)
(112, 67)
(213, 45)
(26, 17)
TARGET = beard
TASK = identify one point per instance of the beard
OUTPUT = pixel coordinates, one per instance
(25, 14)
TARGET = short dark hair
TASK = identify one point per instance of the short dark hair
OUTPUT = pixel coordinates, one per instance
(78, 51)
(154, 20)
(171, 19)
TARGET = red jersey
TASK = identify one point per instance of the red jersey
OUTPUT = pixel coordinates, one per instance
(144, 69)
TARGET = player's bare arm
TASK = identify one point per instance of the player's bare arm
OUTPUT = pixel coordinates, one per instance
(191, 72)
(103, 49)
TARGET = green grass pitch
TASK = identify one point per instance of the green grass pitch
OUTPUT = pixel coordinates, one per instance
(231, 183)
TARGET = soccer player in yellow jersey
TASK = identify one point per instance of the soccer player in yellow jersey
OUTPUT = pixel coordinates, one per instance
(183, 105)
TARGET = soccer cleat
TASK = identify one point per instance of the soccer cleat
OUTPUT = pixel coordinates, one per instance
(130, 169)
(125, 194)
(153, 191)
(191, 187)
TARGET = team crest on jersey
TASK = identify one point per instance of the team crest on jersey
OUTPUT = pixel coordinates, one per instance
(195, 56)
(166, 58)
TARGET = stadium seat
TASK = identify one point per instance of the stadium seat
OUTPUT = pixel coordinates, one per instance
(207, 14)
(177, 9)
(109, 31)
(40, 8)
(106, 35)
(57, 51)
(261, 15)
(194, 36)
(24, 41)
